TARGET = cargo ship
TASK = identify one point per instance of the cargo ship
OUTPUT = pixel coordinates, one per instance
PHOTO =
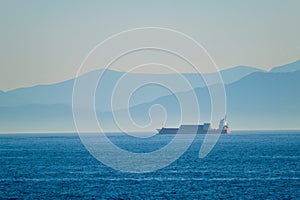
(199, 129)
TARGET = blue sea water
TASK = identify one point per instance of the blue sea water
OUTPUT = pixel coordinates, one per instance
(243, 165)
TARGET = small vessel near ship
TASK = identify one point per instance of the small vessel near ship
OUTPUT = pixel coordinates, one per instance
(199, 129)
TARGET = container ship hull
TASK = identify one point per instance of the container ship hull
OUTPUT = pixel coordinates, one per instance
(175, 130)
(206, 128)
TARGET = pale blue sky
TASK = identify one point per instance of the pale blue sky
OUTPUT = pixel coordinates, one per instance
(45, 41)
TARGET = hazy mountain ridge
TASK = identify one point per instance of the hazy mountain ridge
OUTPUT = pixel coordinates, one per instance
(290, 67)
(270, 100)
(61, 93)
(260, 100)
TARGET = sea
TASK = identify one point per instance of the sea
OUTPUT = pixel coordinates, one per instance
(242, 165)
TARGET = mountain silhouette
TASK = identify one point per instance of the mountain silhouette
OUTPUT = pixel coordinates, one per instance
(255, 100)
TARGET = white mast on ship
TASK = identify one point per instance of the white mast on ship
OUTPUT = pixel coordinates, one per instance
(223, 123)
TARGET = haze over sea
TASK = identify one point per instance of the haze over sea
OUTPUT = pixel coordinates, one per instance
(244, 164)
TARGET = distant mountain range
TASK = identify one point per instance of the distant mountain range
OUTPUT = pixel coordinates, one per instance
(256, 99)
(291, 67)
(61, 93)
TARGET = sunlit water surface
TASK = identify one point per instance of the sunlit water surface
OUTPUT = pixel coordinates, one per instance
(263, 164)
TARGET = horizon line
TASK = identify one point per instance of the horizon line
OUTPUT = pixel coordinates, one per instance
(118, 132)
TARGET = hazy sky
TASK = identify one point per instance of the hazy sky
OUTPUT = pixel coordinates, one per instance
(45, 41)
